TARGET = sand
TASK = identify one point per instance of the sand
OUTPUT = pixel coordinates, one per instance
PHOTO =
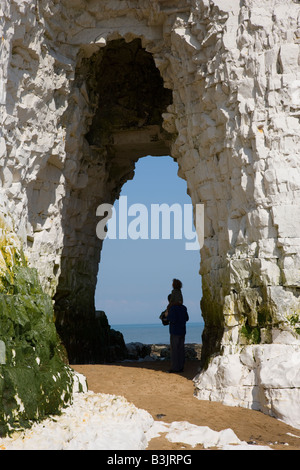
(170, 397)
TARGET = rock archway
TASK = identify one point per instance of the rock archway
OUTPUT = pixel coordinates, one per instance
(127, 98)
(228, 113)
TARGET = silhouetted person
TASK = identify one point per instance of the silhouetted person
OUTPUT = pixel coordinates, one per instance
(175, 298)
(177, 316)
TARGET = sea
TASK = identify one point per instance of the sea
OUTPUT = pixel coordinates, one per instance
(158, 333)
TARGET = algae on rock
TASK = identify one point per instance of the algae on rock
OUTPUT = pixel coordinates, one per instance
(34, 379)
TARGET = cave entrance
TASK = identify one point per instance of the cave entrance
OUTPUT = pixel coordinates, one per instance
(114, 117)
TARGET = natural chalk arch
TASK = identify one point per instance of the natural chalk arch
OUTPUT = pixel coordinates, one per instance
(128, 97)
(213, 84)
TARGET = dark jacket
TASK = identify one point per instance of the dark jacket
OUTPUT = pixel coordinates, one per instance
(178, 316)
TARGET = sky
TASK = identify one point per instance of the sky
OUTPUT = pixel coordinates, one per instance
(135, 275)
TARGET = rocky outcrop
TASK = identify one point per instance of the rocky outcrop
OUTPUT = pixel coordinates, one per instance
(260, 377)
(35, 380)
(157, 352)
(217, 88)
(111, 343)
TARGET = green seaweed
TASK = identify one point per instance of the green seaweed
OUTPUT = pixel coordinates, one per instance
(252, 334)
(35, 380)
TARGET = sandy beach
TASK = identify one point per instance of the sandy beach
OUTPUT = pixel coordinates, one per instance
(169, 398)
(139, 406)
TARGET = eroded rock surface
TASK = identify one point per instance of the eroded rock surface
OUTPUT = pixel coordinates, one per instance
(218, 90)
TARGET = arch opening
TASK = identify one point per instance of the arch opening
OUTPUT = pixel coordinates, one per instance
(136, 272)
(120, 97)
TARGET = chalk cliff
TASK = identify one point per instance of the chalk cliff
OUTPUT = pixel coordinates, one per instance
(87, 88)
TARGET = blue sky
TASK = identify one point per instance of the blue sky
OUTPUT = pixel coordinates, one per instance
(135, 276)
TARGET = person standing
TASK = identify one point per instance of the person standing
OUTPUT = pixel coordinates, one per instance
(177, 316)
